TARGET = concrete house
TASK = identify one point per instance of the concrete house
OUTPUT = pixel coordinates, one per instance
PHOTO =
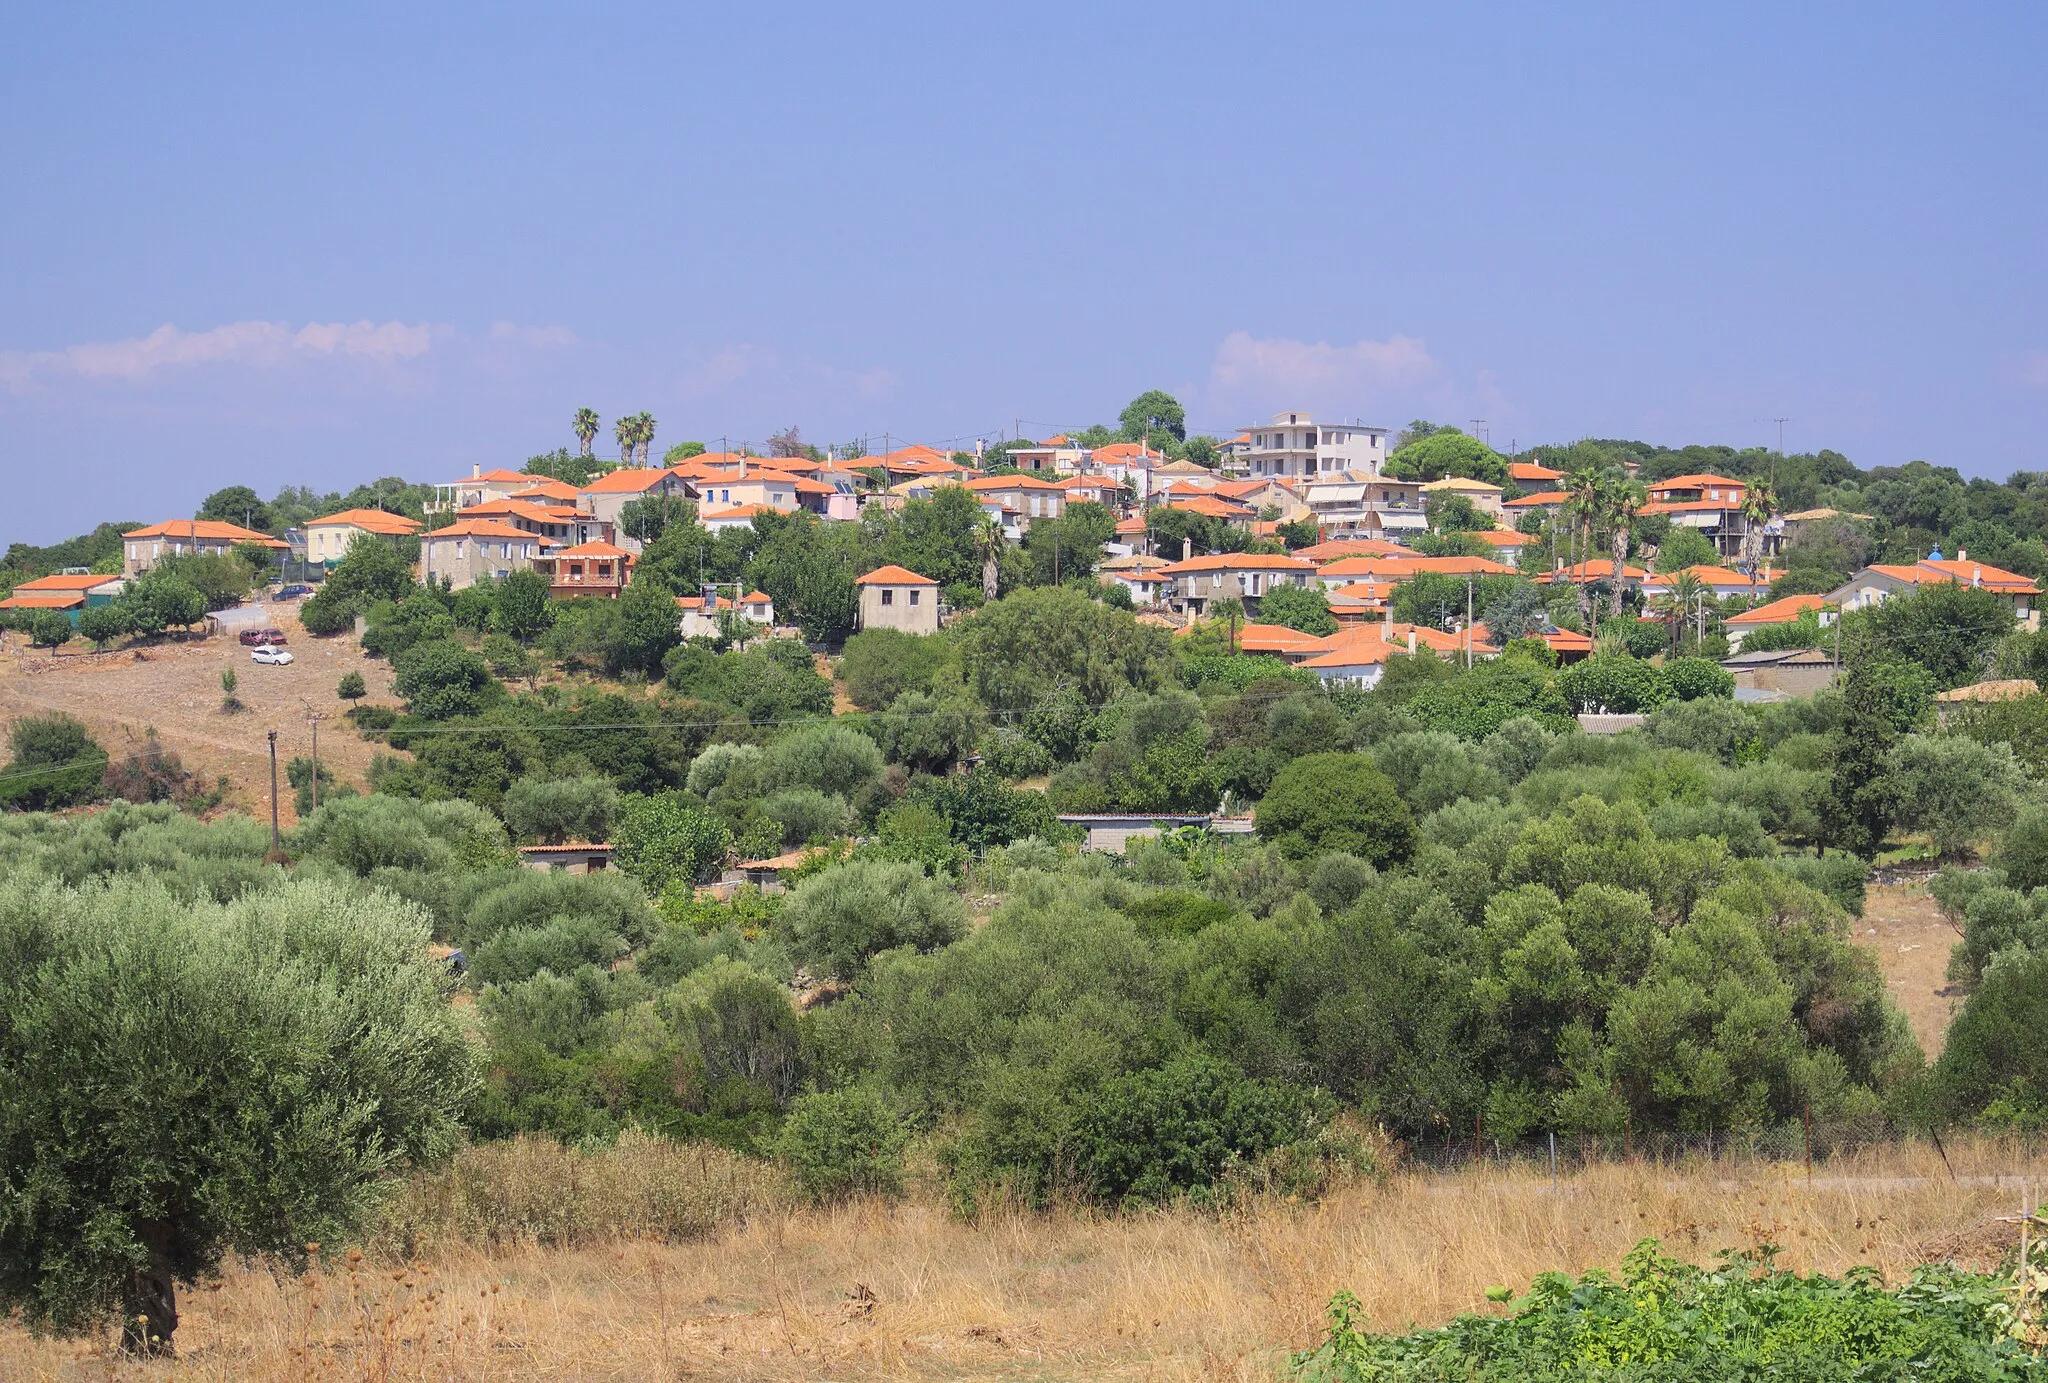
(1875, 584)
(895, 597)
(472, 550)
(71, 593)
(1296, 444)
(594, 569)
(1712, 506)
(481, 487)
(328, 539)
(1244, 576)
(1484, 497)
(143, 548)
(604, 497)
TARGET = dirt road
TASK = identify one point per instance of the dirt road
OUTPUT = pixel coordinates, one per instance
(175, 687)
(1911, 940)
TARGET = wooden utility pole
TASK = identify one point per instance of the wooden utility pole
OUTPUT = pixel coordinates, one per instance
(274, 846)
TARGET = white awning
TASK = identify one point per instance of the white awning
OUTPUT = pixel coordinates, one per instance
(1402, 521)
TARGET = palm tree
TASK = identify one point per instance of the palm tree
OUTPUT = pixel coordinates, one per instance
(586, 424)
(1584, 488)
(1625, 499)
(1680, 599)
(1759, 507)
(989, 538)
(643, 435)
(625, 429)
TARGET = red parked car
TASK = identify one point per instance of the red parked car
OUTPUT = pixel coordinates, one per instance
(254, 638)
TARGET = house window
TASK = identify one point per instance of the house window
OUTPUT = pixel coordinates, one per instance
(888, 596)
(913, 597)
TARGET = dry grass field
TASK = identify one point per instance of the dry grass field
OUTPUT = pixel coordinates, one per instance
(874, 1291)
(175, 687)
(1912, 940)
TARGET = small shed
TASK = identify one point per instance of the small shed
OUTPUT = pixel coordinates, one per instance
(767, 875)
(1793, 671)
(1982, 694)
(575, 857)
(1112, 831)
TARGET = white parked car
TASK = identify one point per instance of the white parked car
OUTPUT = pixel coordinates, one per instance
(276, 657)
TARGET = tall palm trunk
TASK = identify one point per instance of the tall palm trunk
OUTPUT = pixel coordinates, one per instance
(1620, 548)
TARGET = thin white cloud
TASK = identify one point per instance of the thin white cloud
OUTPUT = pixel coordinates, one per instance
(2029, 370)
(259, 345)
(1253, 376)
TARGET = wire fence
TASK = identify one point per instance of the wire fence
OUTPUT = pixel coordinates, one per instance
(1816, 1143)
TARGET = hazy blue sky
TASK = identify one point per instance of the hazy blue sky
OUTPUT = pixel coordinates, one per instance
(288, 243)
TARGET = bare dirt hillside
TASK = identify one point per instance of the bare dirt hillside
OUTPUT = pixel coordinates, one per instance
(175, 687)
(1911, 940)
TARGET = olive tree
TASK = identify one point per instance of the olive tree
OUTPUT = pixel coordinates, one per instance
(180, 1081)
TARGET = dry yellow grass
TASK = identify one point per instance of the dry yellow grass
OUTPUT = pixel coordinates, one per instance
(872, 1291)
(1905, 930)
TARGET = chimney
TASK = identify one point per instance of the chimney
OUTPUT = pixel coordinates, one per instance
(1387, 620)
(743, 465)
(1411, 639)
(476, 470)
(1962, 554)
(1976, 576)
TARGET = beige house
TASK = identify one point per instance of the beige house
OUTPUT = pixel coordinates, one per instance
(328, 539)
(1243, 576)
(898, 598)
(143, 548)
(471, 550)
(1485, 498)
(1139, 574)
(605, 496)
(1027, 495)
(481, 488)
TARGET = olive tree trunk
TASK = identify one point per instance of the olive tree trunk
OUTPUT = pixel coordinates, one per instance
(149, 1298)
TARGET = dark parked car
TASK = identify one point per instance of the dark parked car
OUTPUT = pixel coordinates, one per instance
(293, 592)
(252, 638)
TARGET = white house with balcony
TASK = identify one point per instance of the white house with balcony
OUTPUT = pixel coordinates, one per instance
(1297, 444)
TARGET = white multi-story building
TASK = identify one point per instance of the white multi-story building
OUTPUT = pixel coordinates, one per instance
(1296, 444)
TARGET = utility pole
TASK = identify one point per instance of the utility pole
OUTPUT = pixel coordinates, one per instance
(1468, 624)
(1781, 433)
(1480, 431)
(274, 846)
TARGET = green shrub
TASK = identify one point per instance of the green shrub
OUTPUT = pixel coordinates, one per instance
(1323, 802)
(54, 762)
(1614, 683)
(554, 810)
(660, 837)
(1670, 1321)
(1182, 1127)
(1693, 679)
(843, 1143)
(838, 919)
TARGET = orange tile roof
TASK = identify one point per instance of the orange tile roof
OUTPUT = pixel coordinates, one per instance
(1409, 564)
(894, 576)
(1334, 548)
(525, 509)
(1271, 638)
(1210, 507)
(1720, 576)
(1367, 643)
(593, 549)
(742, 511)
(1778, 611)
(1237, 561)
(44, 600)
(985, 483)
(1700, 481)
(627, 481)
(1690, 506)
(204, 529)
(547, 489)
(1134, 524)
(371, 521)
(1373, 591)
(1593, 571)
(501, 476)
(1978, 574)
(1542, 497)
(484, 528)
(65, 581)
(1503, 537)
(1529, 470)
